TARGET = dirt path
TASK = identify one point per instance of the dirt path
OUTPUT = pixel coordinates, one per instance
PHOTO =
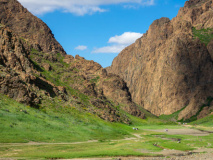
(137, 136)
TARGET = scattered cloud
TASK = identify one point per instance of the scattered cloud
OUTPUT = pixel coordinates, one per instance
(119, 42)
(126, 38)
(109, 49)
(81, 48)
(78, 7)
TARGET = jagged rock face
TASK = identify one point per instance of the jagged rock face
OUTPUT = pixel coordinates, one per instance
(13, 53)
(14, 85)
(17, 78)
(210, 48)
(98, 83)
(168, 69)
(198, 13)
(28, 27)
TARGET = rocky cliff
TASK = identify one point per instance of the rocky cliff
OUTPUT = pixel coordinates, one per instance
(35, 70)
(28, 27)
(171, 67)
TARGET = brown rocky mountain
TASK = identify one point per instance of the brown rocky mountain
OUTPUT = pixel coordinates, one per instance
(28, 27)
(171, 67)
(35, 70)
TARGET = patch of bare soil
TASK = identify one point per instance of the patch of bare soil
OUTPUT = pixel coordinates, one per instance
(185, 131)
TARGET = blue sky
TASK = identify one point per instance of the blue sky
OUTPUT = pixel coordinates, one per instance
(99, 29)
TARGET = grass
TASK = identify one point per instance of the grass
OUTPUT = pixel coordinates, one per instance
(206, 121)
(148, 145)
(205, 35)
(95, 80)
(21, 124)
(96, 149)
(172, 117)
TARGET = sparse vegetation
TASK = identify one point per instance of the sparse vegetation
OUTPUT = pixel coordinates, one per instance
(208, 102)
(19, 123)
(205, 35)
(95, 80)
(1, 25)
(23, 39)
(172, 117)
(206, 121)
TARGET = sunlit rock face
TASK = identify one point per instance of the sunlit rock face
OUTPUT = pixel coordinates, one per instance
(170, 68)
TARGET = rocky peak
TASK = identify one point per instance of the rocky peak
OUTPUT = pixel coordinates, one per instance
(34, 31)
(160, 26)
(198, 12)
(160, 22)
(194, 3)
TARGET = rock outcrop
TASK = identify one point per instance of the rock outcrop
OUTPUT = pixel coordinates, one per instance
(98, 83)
(17, 78)
(170, 68)
(28, 27)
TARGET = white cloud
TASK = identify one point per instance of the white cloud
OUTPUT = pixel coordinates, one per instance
(78, 7)
(119, 42)
(81, 48)
(126, 38)
(109, 49)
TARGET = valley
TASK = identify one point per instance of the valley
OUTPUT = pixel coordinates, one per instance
(155, 101)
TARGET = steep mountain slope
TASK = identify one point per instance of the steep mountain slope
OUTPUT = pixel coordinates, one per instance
(171, 66)
(28, 27)
(36, 71)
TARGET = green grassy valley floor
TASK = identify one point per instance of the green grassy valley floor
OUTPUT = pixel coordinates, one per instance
(27, 133)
